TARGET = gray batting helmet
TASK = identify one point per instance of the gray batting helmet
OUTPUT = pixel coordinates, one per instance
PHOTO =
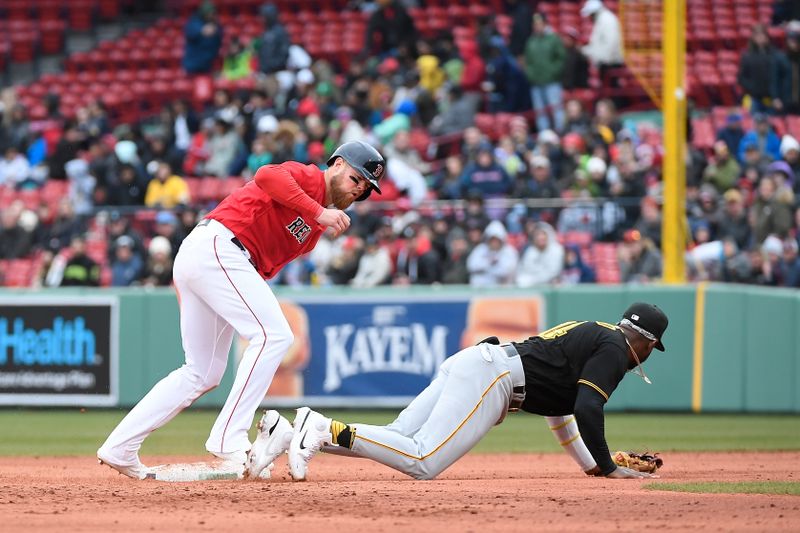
(366, 160)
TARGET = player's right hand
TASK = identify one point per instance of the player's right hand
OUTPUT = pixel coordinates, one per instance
(627, 473)
(335, 219)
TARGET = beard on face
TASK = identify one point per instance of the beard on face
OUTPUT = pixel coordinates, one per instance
(340, 197)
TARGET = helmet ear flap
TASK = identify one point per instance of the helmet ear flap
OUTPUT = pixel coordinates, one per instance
(364, 195)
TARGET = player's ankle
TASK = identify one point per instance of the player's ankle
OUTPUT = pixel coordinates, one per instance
(342, 434)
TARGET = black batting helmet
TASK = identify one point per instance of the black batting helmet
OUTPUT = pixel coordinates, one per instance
(366, 160)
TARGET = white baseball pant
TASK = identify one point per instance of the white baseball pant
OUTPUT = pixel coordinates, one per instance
(470, 394)
(219, 292)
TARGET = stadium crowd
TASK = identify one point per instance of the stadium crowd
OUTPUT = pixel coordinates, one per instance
(520, 202)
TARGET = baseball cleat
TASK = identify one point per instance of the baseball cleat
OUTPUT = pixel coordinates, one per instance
(135, 470)
(311, 432)
(274, 436)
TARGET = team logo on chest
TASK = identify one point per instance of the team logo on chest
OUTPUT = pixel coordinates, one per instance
(299, 229)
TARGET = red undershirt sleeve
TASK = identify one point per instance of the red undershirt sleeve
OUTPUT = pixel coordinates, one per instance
(281, 186)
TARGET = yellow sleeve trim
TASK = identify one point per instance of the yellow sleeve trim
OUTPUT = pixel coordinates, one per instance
(595, 387)
(565, 423)
(570, 441)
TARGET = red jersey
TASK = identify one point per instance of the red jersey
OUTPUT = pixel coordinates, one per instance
(275, 215)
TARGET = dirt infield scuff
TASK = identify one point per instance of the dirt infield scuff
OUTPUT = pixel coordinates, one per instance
(514, 492)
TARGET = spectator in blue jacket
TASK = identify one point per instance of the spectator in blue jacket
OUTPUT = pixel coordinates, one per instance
(203, 40)
(764, 136)
(485, 175)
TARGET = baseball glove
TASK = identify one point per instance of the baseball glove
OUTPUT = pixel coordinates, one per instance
(642, 462)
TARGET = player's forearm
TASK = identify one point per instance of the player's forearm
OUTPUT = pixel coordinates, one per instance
(282, 187)
(591, 424)
(565, 430)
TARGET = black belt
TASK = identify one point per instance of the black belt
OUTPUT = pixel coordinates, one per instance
(234, 240)
(518, 396)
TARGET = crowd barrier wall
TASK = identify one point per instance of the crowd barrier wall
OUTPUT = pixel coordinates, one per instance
(730, 348)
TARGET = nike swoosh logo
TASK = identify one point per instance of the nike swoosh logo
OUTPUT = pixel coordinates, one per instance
(303, 423)
(302, 442)
(273, 427)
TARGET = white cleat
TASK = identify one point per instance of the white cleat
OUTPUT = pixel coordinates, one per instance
(135, 470)
(311, 432)
(233, 461)
(274, 436)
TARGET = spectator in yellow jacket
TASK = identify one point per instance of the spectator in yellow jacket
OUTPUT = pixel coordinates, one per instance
(166, 190)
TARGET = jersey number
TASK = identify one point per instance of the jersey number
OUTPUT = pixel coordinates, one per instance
(559, 330)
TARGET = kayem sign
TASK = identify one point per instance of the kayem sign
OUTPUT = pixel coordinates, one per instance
(58, 351)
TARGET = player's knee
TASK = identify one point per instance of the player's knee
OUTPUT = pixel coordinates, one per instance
(424, 471)
(282, 338)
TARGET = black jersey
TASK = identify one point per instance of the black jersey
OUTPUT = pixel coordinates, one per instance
(561, 360)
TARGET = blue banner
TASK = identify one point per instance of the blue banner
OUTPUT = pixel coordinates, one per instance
(391, 348)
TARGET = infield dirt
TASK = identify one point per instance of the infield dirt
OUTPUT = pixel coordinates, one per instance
(509, 492)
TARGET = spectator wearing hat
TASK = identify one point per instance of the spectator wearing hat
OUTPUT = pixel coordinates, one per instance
(763, 136)
(723, 171)
(167, 226)
(203, 35)
(733, 221)
(758, 68)
(731, 134)
(770, 216)
(485, 175)
(540, 183)
(639, 259)
(126, 266)
(272, 47)
(790, 152)
(544, 66)
(166, 190)
(158, 272)
(128, 189)
(493, 262)
(604, 49)
(781, 172)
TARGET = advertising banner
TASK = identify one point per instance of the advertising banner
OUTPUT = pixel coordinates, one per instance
(381, 352)
(58, 351)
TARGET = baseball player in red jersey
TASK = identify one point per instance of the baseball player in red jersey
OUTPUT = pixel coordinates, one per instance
(219, 275)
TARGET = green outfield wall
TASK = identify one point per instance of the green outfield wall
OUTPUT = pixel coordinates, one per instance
(729, 347)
